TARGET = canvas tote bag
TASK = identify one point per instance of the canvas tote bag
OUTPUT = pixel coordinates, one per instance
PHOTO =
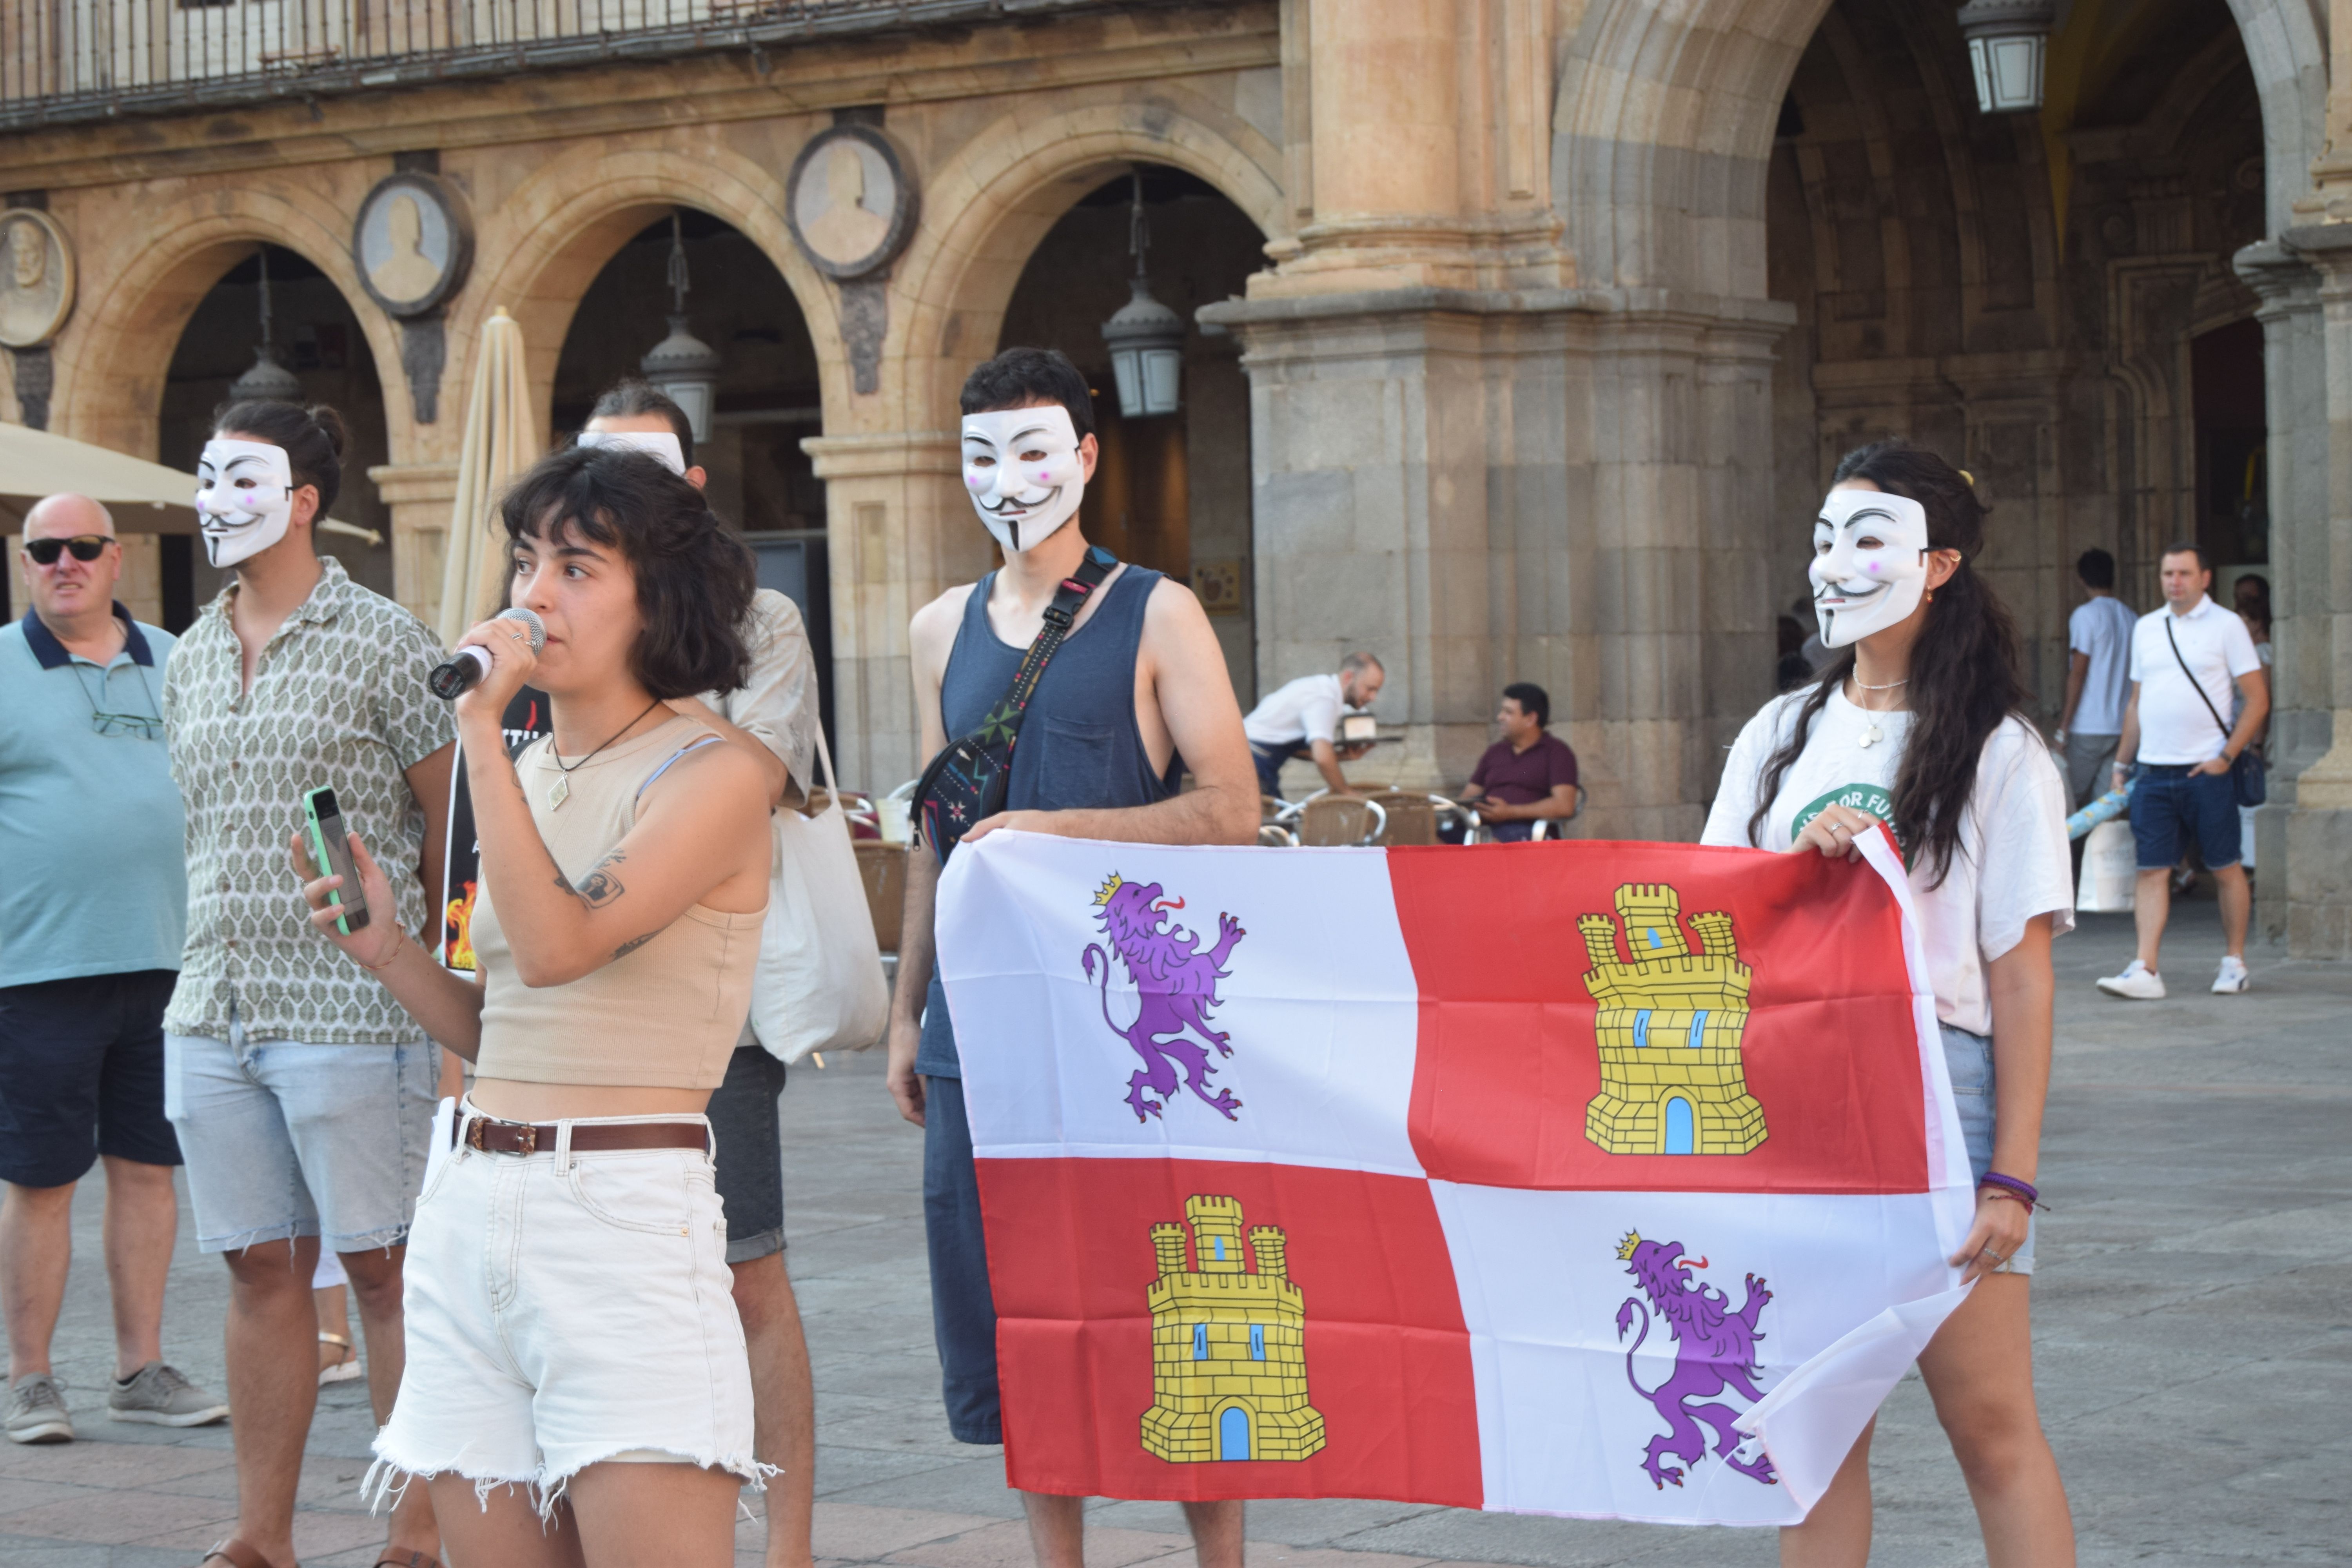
(819, 985)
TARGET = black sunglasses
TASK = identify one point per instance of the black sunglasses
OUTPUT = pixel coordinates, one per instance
(85, 547)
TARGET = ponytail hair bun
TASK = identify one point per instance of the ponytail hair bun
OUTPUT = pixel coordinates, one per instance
(314, 439)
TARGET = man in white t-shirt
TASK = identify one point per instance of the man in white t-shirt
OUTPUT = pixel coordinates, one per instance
(2098, 679)
(1302, 719)
(2191, 662)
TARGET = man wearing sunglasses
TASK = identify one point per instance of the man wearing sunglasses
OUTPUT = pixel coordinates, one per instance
(93, 910)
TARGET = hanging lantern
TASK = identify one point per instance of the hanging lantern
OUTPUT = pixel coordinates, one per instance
(267, 380)
(1146, 338)
(2008, 40)
(682, 367)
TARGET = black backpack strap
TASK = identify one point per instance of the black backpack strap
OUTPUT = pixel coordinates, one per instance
(969, 779)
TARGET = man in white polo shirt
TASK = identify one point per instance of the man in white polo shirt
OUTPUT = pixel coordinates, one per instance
(2186, 659)
(1302, 719)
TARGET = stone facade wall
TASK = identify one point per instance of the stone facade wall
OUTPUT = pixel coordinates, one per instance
(1568, 306)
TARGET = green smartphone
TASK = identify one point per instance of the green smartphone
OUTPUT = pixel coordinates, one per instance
(331, 851)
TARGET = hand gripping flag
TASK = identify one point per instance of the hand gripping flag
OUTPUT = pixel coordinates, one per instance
(1597, 1179)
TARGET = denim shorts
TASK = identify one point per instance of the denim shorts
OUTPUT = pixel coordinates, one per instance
(750, 1160)
(284, 1139)
(2172, 804)
(1969, 1059)
(81, 1074)
(565, 1310)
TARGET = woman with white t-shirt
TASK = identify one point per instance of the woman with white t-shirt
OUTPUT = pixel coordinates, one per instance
(1915, 724)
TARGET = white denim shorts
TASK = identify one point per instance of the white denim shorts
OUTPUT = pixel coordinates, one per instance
(565, 1309)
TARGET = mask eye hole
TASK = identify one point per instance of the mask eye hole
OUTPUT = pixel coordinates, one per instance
(1034, 455)
(1869, 541)
(979, 460)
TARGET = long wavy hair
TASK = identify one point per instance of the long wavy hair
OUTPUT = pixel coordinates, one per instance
(1964, 676)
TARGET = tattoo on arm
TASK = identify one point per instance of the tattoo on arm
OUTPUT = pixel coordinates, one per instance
(602, 886)
(632, 945)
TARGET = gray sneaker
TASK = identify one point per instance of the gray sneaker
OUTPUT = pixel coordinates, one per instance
(157, 1396)
(36, 1411)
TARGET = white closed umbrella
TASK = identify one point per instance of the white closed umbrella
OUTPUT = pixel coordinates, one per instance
(500, 442)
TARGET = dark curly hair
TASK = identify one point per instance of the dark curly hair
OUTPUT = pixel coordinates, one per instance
(1018, 377)
(695, 578)
(1964, 679)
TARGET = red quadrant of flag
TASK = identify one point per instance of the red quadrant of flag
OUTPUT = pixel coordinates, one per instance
(1506, 1062)
(1388, 1370)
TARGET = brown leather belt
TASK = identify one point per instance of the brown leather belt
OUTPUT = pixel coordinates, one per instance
(493, 1137)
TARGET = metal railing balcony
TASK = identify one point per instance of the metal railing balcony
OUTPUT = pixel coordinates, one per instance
(68, 61)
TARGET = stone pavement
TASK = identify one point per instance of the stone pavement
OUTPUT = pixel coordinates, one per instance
(2195, 1340)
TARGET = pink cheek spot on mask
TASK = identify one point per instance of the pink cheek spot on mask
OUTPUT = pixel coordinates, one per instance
(1874, 566)
(975, 481)
(1045, 477)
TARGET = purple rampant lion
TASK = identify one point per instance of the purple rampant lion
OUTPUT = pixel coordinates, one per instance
(1176, 984)
(1714, 1349)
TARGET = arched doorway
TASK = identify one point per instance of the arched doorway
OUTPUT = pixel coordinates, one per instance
(2047, 300)
(767, 398)
(1172, 491)
(318, 338)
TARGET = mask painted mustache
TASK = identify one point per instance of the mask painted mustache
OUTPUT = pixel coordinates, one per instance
(1843, 596)
(1017, 509)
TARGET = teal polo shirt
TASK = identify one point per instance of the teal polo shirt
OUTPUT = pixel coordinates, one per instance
(93, 839)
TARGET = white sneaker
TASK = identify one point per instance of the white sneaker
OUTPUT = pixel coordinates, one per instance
(2138, 982)
(2233, 978)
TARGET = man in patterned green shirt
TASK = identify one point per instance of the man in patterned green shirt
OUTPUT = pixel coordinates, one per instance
(301, 1092)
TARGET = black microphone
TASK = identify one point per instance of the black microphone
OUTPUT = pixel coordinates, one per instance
(465, 671)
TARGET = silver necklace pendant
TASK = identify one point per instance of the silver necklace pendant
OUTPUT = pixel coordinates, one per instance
(559, 792)
(1871, 736)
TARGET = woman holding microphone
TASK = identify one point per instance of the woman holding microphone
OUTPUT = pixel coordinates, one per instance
(577, 1389)
(1915, 725)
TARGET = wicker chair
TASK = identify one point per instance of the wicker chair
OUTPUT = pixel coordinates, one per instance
(1335, 821)
(883, 869)
(1411, 816)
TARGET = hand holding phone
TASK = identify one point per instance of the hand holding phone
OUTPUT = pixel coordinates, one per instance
(331, 852)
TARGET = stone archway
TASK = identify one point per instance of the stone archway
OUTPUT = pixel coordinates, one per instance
(110, 386)
(551, 236)
(995, 201)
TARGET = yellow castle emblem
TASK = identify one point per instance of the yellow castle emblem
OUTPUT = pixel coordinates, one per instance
(1669, 1028)
(1228, 1345)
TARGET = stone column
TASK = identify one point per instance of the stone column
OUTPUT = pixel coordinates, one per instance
(419, 496)
(2294, 355)
(902, 532)
(2318, 849)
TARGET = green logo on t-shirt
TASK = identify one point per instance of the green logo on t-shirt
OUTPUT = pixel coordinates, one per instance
(1868, 797)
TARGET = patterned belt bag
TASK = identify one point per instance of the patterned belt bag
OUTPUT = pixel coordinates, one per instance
(967, 781)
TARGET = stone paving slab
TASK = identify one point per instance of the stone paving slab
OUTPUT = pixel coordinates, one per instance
(2192, 1343)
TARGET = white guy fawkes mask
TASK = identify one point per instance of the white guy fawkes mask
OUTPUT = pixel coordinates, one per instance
(245, 498)
(1022, 468)
(1870, 562)
(662, 444)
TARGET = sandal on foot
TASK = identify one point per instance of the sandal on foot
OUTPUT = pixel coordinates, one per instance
(236, 1554)
(347, 1369)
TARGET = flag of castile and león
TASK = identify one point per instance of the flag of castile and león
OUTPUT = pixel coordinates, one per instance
(1580, 1178)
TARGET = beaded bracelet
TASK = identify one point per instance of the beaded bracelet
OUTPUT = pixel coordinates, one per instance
(2024, 1191)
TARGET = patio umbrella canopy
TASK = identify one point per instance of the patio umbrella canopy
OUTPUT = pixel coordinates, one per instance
(500, 442)
(145, 498)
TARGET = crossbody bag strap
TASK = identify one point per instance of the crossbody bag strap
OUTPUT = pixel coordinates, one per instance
(1005, 720)
(2193, 684)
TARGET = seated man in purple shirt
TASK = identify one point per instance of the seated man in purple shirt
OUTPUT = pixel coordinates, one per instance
(1527, 777)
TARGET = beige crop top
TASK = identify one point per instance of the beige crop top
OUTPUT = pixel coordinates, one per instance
(665, 1015)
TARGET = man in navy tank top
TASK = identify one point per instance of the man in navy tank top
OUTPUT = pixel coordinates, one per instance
(1137, 695)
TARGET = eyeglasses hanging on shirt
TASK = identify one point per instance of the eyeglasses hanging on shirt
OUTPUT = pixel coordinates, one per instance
(145, 726)
(85, 547)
